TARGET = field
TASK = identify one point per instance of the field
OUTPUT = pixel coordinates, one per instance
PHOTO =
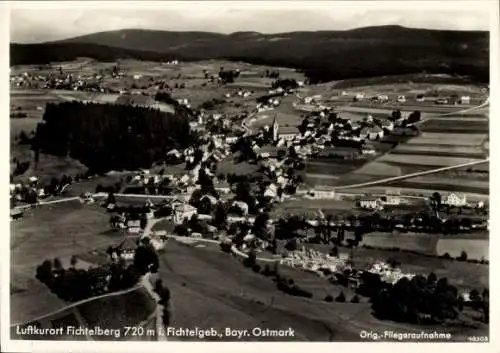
(456, 125)
(115, 312)
(464, 275)
(432, 161)
(434, 138)
(452, 151)
(210, 289)
(59, 230)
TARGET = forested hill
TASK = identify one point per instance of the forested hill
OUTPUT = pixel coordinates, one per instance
(108, 137)
(323, 55)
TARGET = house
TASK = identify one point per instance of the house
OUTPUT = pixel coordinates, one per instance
(16, 213)
(401, 99)
(183, 211)
(465, 100)
(392, 200)
(231, 139)
(322, 193)
(134, 226)
(242, 206)
(368, 150)
(372, 132)
(455, 199)
(359, 96)
(370, 203)
(420, 98)
(388, 125)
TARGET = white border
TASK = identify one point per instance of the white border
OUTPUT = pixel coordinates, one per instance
(28, 346)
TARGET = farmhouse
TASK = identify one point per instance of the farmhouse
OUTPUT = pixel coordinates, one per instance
(183, 211)
(370, 203)
(420, 98)
(392, 200)
(372, 133)
(455, 199)
(465, 100)
(134, 226)
(321, 193)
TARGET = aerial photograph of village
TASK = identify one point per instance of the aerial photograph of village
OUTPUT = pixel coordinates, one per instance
(249, 174)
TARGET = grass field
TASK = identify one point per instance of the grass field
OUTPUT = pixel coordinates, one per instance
(425, 148)
(445, 184)
(433, 161)
(453, 139)
(210, 289)
(59, 230)
(455, 126)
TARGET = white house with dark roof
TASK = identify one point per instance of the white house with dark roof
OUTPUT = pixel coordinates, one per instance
(455, 199)
(183, 211)
(370, 203)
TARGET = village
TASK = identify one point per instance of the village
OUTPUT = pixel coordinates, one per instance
(245, 186)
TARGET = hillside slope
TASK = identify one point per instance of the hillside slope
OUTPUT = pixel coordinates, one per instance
(322, 55)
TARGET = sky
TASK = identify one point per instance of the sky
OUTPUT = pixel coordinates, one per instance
(32, 22)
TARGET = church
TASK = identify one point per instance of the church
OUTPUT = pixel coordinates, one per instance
(277, 134)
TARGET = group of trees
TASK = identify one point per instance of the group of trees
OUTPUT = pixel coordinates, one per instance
(286, 84)
(272, 74)
(228, 76)
(417, 300)
(74, 284)
(106, 137)
(77, 284)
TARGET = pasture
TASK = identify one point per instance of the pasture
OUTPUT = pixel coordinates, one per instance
(211, 289)
(59, 230)
(475, 248)
(447, 184)
(430, 161)
(456, 126)
(447, 139)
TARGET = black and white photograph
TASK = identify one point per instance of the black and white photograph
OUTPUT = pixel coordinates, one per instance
(249, 172)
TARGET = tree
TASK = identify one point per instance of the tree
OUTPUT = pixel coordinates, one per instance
(145, 259)
(73, 261)
(260, 229)
(328, 298)
(355, 299)
(111, 199)
(414, 117)
(220, 216)
(436, 201)
(57, 264)
(340, 298)
(462, 257)
(334, 252)
(251, 259)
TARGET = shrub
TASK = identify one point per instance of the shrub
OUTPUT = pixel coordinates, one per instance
(328, 298)
(355, 299)
(340, 298)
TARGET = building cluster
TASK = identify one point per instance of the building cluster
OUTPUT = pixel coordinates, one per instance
(315, 261)
(388, 273)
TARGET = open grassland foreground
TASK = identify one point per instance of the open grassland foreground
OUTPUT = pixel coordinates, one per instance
(214, 290)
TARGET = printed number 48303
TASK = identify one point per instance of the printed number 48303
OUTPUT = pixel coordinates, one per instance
(478, 339)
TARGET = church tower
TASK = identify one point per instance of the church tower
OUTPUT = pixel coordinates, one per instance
(276, 128)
